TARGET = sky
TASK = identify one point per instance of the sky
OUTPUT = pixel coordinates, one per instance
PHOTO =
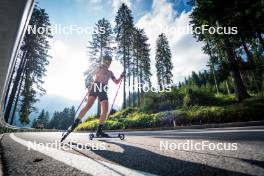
(69, 51)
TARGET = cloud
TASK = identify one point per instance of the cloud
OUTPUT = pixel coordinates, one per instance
(187, 55)
(65, 72)
(90, 1)
(91, 4)
(96, 1)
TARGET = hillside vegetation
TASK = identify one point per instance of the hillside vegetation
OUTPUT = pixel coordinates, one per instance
(178, 108)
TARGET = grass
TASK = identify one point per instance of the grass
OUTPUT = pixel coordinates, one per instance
(226, 110)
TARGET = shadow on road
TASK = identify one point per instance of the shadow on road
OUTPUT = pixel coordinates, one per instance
(145, 160)
(227, 136)
(254, 162)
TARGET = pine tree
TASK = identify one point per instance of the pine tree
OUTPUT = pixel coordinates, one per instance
(163, 61)
(46, 119)
(141, 60)
(34, 123)
(41, 118)
(100, 45)
(62, 120)
(211, 63)
(32, 67)
(102, 38)
(124, 36)
(35, 68)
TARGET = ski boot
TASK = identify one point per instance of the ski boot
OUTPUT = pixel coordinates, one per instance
(100, 133)
(74, 125)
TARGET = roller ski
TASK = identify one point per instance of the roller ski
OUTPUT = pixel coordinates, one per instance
(101, 134)
(70, 129)
(92, 136)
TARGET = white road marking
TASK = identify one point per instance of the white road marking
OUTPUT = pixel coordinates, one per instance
(221, 131)
(84, 164)
(196, 131)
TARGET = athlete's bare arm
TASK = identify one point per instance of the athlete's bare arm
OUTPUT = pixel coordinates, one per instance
(117, 81)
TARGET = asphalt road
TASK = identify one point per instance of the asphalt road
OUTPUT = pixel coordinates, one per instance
(222, 151)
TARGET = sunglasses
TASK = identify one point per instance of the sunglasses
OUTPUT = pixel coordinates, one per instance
(107, 62)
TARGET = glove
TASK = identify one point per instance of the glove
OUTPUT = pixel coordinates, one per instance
(123, 74)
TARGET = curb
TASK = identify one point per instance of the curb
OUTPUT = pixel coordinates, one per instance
(222, 125)
(204, 126)
(1, 155)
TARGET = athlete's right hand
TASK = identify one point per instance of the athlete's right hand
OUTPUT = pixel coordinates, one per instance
(123, 74)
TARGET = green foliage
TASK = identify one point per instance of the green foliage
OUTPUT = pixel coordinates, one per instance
(113, 125)
(42, 120)
(227, 111)
(88, 125)
(138, 120)
(156, 102)
(247, 110)
(185, 96)
(198, 97)
(62, 120)
(122, 113)
(223, 99)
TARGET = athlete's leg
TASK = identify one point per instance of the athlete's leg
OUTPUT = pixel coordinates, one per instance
(104, 110)
(88, 105)
(84, 110)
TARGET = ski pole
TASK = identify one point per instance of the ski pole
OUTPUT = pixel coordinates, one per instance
(115, 96)
(84, 98)
(81, 102)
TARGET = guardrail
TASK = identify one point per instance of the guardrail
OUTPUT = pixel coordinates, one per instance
(15, 16)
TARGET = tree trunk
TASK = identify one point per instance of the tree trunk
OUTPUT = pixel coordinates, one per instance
(227, 87)
(240, 89)
(160, 84)
(15, 86)
(260, 39)
(248, 53)
(9, 83)
(138, 82)
(141, 81)
(251, 62)
(215, 81)
(129, 75)
(138, 92)
(98, 101)
(124, 83)
(17, 97)
(163, 81)
(213, 68)
(133, 92)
